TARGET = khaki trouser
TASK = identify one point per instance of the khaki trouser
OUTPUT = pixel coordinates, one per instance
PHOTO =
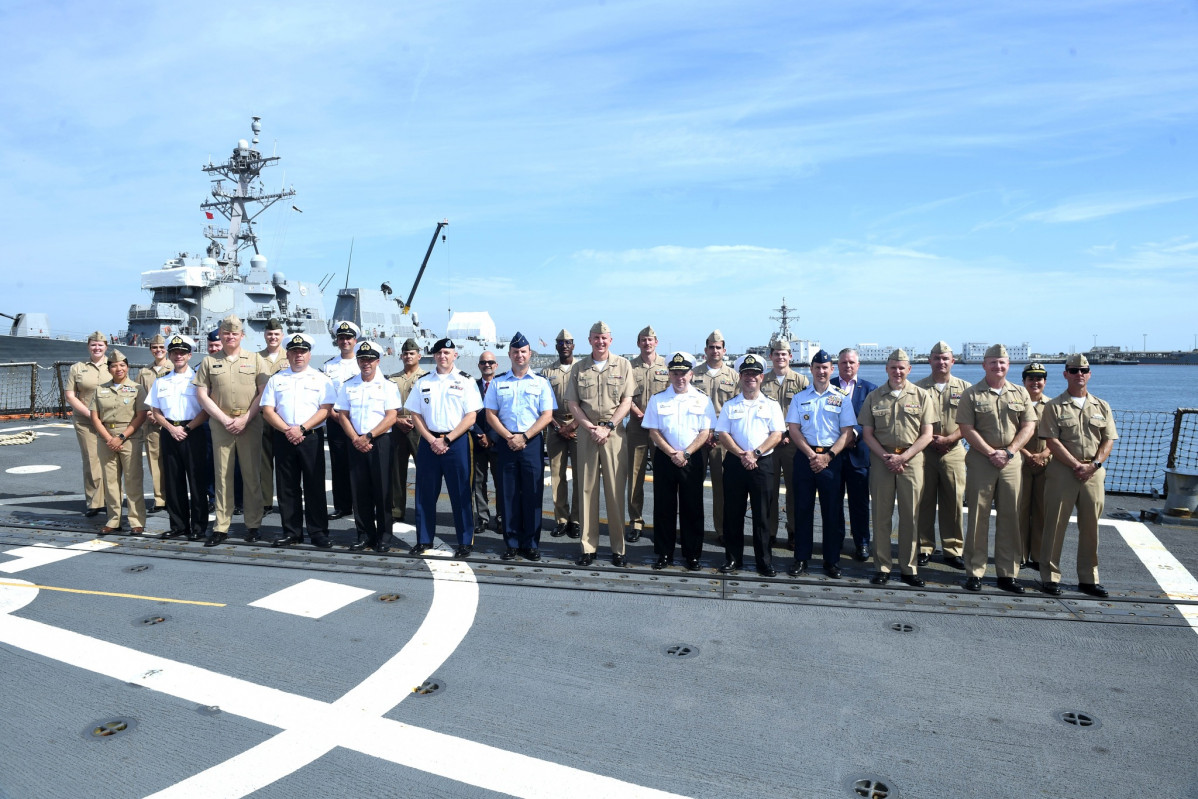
(153, 447)
(783, 476)
(403, 446)
(986, 485)
(93, 470)
(639, 447)
(124, 468)
(1031, 511)
(943, 486)
(267, 474)
(1063, 493)
(248, 450)
(884, 488)
(562, 451)
(608, 458)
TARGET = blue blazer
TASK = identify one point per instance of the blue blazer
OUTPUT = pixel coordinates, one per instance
(859, 454)
(481, 428)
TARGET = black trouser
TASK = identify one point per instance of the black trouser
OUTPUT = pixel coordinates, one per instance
(521, 492)
(184, 472)
(678, 504)
(299, 482)
(339, 447)
(370, 475)
(745, 488)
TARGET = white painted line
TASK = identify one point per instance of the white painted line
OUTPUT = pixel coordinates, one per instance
(14, 597)
(32, 469)
(41, 554)
(52, 426)
(1173, 578)
(313, 599)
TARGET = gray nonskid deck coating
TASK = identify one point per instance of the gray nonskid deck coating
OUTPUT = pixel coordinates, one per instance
(798, 688)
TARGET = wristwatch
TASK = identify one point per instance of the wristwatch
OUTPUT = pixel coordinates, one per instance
(370, 435)
(608, 425)
(1010, 455)
(757, 453)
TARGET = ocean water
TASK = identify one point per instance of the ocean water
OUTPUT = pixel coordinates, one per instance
(1144, 387)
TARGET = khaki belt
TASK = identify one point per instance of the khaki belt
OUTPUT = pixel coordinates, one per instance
(237, 412)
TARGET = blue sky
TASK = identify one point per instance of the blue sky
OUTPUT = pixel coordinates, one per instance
(901, 172)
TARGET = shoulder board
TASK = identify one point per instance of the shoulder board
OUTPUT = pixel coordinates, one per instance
(466, 374)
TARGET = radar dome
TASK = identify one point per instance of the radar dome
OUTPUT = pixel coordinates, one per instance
(278, 278)
(258, 262)
(242, 144)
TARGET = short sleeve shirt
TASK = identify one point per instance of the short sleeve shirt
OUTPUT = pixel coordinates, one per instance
(600, 392)
(296, 396)
(1081, 430)
(558, 375)
(443, 400)
(519, 401)
(233, 380)
(996, 417)
(718, 384)
(174, 396)
(367, 402)
(820, 417)
(897, 421)
(85, 377)
(118, 403)
(750, 422)
(679, 417)
(404, 382)
(945, 402)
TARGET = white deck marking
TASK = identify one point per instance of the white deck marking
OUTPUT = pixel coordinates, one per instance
(15, 597)
(41, 554)
(313, 599)
(33, 469)
(1173, 578)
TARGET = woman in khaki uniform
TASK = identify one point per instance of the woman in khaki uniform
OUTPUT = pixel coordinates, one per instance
(1035, 463)
(82, 381)
(118, 411)
(151, 431)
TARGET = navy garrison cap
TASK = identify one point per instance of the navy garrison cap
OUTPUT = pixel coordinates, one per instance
(821, 357)
(214, 335)
(518, 341)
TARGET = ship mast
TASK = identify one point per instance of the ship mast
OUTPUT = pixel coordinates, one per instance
(783, 320)
(236, 200)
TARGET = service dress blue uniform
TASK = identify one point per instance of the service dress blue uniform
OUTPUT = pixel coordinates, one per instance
(184, 463)
(443, 400)
(820, 417)
(519, 402)
(367, 403)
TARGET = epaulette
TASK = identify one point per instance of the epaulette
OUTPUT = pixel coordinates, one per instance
(465, 374)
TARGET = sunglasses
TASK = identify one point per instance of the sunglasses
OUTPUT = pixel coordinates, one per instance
(1073, 370)
(487, 363)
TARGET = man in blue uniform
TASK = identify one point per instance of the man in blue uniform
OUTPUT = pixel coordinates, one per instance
(519, 407)
(446, 402)
(172, 401)
(820, 420)
(295, 403)
(367, 406)
(339, 368)
(854, 469)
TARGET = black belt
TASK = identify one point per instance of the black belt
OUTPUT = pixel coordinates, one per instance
(180, 422)
(441, 435)
(823, 450)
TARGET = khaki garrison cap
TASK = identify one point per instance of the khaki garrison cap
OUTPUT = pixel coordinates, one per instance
(1078, 361)
(996, 351)
(231, 324)
(779, 345)
(715, 337)
(564, 335)
(647, 332)
(941, 348)
(116, 356)
(158, 339)
(898, 355)
(97, 336)
(599, 328)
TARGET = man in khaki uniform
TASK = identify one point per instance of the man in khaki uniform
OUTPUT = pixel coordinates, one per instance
(651, 377)
(997, 419)
(276, 361)
(1079, 429)
(943, 463)
(117, 414)
(229, 387)
(561, 442)
(896, 424)
(599, 393)
(404, 438)
(150, 430)
(1035, 463)
(719, 382)
(781, 384)
(82, 381)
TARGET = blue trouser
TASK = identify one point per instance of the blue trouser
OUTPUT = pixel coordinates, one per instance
(854, 481)
(454, 466)
(831, 510)
(521, 492)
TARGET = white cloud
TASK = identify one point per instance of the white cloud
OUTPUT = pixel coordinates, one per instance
(1084, 209)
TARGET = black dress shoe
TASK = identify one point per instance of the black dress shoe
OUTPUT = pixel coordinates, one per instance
(618, 560)
(956, 561)
(419, 549)
(913, 580)
(322, 542)
(531, 553)
(380, 547)
(495, 524)
(661, 562)
(169, 534)
(268, 509)
(358, 546)
(767, 571)
(151, 509)
(1093, 589)
(923, 559)
(973, 583)
(90, 512)
(508, 554)
(339, 514)
(1010, 584)
(1052, 589)
(195, 536)
(799, 568)
(632, 536)
(251, 536)
(215, 539)
(462, 552)
(559, 529)
(832, 570)
(880, 578)
(238, 511)
(586, 560)
(693, 565)
(286, 541)
(1034, 565)
(575, 530)
(730, 566)
(862, 554)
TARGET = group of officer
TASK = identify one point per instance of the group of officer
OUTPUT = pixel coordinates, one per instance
(754, 427)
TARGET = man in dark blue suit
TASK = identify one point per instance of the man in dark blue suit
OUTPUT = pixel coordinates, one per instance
(854, 473)
(485, 455)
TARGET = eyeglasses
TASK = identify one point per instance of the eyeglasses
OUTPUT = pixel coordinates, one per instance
(1073, 370)
(487, 363)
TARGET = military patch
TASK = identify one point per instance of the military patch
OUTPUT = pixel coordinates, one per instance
(833, 402)
(911, 407)
(954, 395)
(806, 417)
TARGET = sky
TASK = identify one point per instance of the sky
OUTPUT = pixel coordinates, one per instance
(899, 172)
